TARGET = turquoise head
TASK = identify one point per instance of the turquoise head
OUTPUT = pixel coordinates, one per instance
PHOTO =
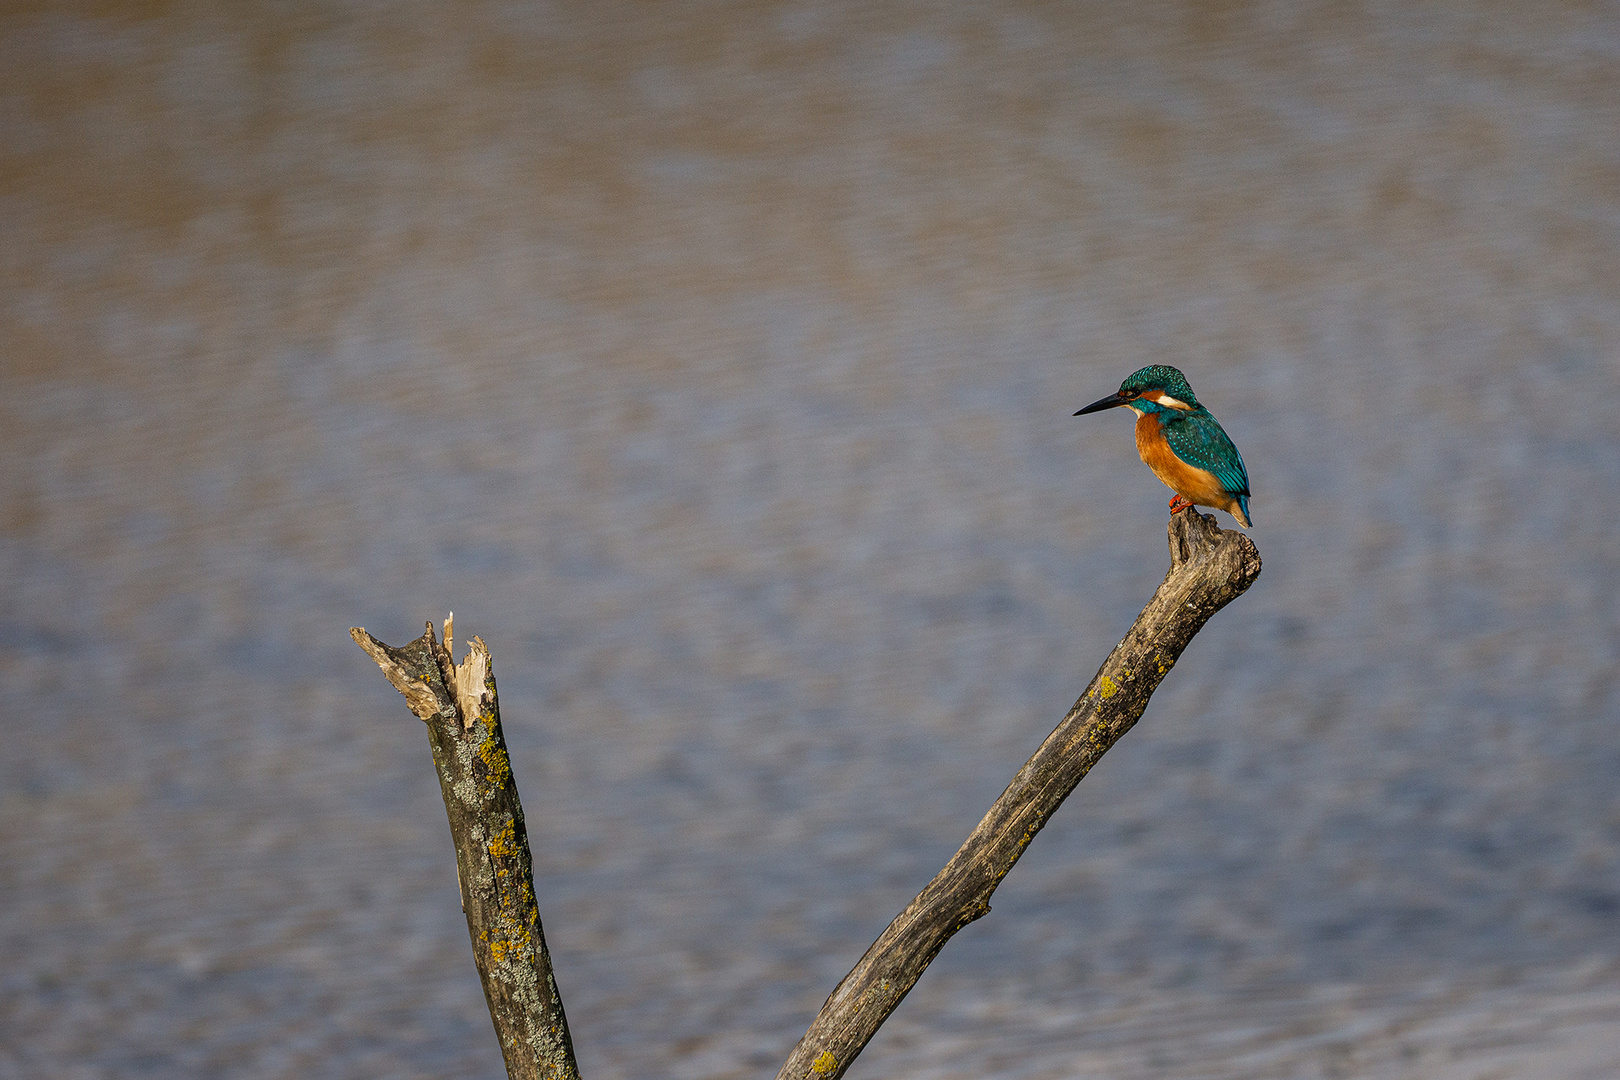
(1144, 391)
(1160, 377)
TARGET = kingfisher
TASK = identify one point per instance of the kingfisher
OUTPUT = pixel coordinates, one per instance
(1181, 442)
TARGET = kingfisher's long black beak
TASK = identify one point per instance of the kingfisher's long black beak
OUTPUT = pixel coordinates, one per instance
(1110, 402)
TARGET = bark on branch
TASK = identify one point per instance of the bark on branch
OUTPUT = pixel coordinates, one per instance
(459, 706)
(1208, 568)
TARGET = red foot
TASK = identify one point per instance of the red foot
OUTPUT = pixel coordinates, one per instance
(1178, 504)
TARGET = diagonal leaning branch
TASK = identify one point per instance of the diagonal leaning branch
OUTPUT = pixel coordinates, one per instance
(458, 704)
(1209, 567)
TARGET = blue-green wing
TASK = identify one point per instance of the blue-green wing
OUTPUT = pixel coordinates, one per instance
(1199, 441)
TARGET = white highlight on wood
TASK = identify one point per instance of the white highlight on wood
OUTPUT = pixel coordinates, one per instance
(469, 687)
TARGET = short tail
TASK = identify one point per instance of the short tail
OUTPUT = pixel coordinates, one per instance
(1240, 510)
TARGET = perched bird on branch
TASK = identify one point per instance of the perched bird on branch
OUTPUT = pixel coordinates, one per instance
(1181, 442)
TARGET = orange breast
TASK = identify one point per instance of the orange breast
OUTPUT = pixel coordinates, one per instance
(1194, 485)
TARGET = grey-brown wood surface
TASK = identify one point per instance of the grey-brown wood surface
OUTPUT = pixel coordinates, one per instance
(459, 705)
(1209, 567)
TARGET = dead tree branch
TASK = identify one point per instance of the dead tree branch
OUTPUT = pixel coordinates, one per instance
(459, 706)
(1208, 568)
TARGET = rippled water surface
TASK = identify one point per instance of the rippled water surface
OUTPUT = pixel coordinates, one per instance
(715, 362)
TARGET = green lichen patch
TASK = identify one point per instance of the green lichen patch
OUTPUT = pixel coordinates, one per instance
(504, 843)
(493, 754)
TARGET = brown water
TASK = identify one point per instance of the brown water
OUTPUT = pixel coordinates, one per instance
(715, 363)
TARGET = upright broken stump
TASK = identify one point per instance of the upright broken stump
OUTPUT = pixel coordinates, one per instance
(459, 706)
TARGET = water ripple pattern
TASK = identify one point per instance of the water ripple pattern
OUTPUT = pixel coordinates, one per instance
(715, 363)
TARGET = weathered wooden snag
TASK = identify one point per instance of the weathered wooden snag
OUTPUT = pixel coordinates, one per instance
(459, 706)
(1209, 567)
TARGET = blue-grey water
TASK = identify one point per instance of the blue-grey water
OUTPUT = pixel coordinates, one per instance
(714, 363)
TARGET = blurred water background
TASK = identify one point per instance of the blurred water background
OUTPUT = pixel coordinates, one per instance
(715, 362)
